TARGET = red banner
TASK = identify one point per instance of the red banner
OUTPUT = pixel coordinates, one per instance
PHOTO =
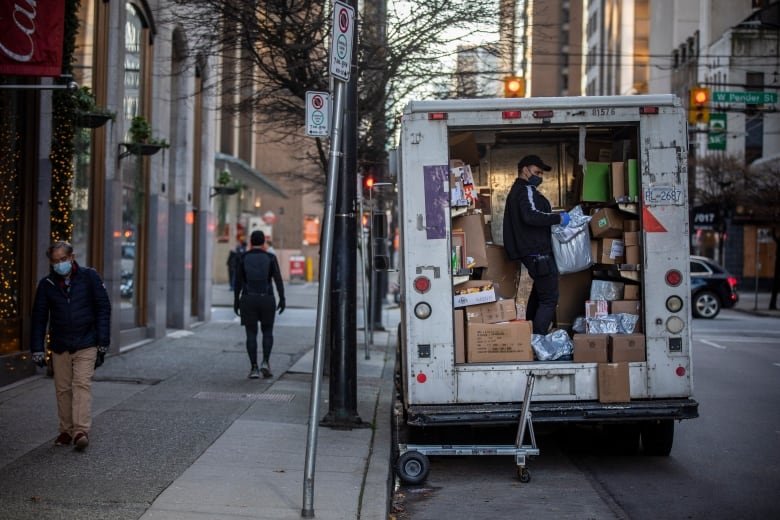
(31, 33)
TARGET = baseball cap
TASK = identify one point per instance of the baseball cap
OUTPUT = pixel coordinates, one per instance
(532, 160)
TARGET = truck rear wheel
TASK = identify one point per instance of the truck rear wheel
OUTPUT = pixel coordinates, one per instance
(413, 467)
(658, 437)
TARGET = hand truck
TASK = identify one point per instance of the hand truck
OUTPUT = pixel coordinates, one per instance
(413, 464)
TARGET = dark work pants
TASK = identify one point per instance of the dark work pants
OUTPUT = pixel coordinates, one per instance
(254, 308)
(544, 295)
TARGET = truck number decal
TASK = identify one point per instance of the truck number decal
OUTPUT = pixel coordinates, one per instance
(663, 196)
(602, 112)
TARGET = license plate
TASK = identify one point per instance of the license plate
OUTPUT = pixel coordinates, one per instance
(663, 195)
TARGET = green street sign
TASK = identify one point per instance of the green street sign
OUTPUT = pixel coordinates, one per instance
(716, 138)
(750, 98)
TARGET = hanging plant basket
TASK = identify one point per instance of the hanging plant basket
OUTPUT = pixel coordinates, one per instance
(92, 119)
(141, 149)
(225, 190)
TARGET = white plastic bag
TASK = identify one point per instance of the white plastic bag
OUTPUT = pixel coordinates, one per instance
(571, 244)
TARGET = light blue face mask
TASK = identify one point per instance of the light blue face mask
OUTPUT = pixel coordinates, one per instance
(63, 268)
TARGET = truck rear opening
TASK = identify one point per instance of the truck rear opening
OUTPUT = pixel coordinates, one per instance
(466, 350)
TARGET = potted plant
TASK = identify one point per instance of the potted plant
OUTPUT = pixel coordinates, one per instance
(88, 113)
(141, 140)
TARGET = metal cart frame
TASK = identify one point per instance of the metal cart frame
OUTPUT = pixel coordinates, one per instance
(413, 464)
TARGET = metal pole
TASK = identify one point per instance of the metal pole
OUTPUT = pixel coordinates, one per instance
(322, 300)
(363, 267)
(758, 268)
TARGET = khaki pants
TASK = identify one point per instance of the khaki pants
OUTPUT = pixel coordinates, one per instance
(73, 386)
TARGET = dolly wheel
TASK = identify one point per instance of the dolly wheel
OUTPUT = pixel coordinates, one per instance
(524, 475)
(413, 467)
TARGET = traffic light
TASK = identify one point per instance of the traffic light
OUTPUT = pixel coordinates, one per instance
(699, 106)
(368, 185)
(514, 86)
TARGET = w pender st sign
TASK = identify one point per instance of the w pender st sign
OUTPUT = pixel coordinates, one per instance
(31, 35)
(341, 40)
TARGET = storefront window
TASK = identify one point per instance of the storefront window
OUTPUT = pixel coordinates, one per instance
(133, 173)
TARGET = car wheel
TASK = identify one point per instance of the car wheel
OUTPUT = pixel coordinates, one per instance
(706, 305)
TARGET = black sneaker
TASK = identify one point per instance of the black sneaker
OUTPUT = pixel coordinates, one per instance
(254, 373)
(265, 368)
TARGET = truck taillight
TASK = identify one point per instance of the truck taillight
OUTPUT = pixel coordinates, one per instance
(673, 277)
(437, 116)
(422, 284)
(648, 110)
(511, 114)
(543, 114)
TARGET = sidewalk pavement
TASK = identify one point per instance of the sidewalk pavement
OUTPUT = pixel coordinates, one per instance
(756, 303)
(179, 432)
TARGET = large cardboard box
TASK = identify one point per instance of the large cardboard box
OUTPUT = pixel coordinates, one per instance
(498, 342)
(630, 292)
(502, 271)
(632, 255)
(595, 182)
(460, 336)
(590, 348)
(630, 238)
(573, 289)
(626, 348)
(496, 312)
(474, 292)
(473, 226)
(613, 383)
(617, 180)
(606, 223)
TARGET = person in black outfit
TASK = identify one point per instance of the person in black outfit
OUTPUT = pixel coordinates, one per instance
(254, 300)
(232, 262)
(528, 217)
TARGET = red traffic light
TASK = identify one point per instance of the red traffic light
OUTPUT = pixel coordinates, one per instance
(514, 86)
(369, 182)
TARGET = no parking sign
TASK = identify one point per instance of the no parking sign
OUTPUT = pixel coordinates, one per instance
(317, 114)
(341, 40)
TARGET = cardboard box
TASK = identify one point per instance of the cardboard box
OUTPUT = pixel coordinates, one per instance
(595, 182)
(626, 348)
(613, 383)
(606, 223)
(594, 250)
(632, 255)
(474, 292)
(474, 228)
(485, 203)
(460, 335)
(573, 289)
(632, 178)
(502, 271)
(631, 238)
(631, 292)
(524, 287)
(630, 224)
(617, 184)
(590, 348)
(496, 312)
(499, 342)
(596, 308)
(627, 306)
(610, 251)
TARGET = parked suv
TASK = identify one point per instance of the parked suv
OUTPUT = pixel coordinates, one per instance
(712, 288)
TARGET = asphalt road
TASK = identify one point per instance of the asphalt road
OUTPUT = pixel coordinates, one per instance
(724, 464)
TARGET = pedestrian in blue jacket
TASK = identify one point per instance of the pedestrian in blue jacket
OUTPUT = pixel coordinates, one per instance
(71, 302)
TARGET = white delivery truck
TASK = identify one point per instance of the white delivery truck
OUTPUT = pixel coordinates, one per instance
(464, 351)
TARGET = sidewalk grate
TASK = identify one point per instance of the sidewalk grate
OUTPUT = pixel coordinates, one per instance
(229, 396)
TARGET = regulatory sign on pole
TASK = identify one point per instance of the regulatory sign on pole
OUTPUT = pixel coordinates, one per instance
(341, 40)
(317, 114)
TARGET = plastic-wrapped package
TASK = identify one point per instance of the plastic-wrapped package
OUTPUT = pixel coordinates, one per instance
(571, 244)
(622, 323)
(579, 325)
(555, 346)
(606, 290)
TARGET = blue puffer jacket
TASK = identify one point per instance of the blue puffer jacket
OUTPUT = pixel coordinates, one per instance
(78, 317)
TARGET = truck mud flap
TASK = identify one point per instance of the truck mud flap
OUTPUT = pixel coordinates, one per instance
(552, 412)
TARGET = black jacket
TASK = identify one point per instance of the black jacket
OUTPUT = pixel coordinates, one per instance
(527, 220)
(78, 316)
(255, 271)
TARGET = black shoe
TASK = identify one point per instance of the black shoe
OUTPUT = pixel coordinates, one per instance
(254, 373)
(265, 368)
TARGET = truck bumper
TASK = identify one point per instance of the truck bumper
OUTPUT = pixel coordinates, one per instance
(553, 412)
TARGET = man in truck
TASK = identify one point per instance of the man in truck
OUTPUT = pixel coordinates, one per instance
(528, 239)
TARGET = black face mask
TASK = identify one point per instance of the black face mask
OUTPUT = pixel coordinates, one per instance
(534, 180)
